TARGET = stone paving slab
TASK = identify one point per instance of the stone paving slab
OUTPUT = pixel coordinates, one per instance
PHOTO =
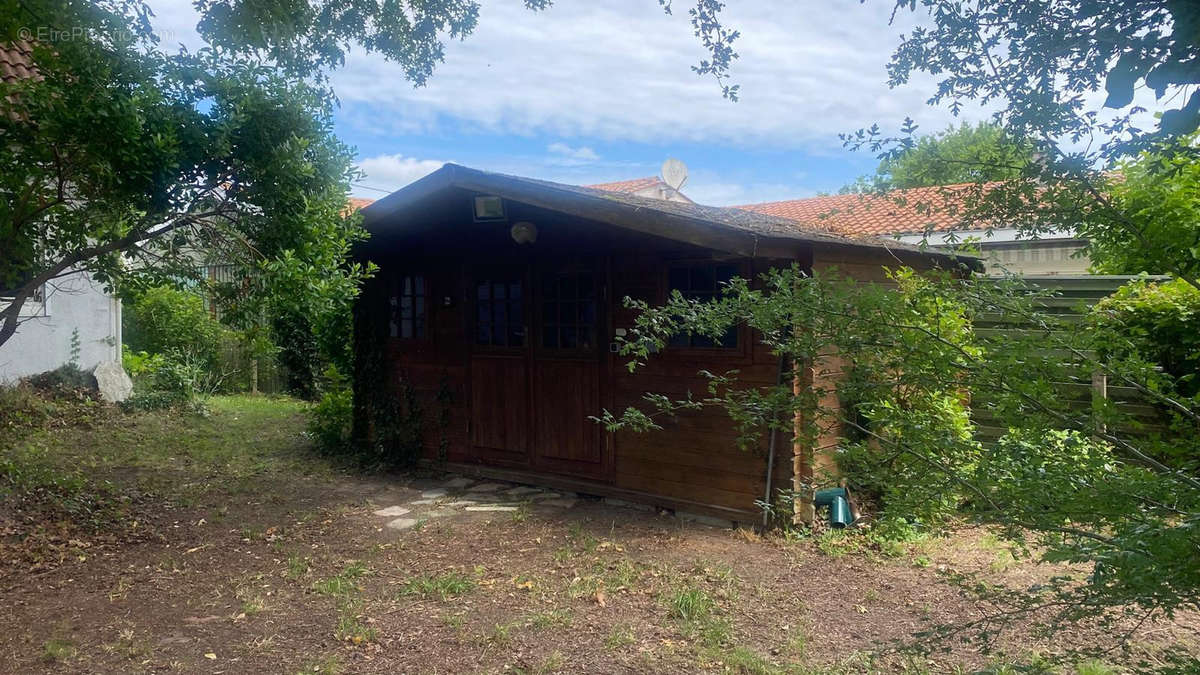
(493, 507)
(545, 495)
(457, 483)
(402, 523)
(460, 503)
(433, 494)
(486, 487)
(522, 490)
(564, 503)
(422, 502)
(392, 511)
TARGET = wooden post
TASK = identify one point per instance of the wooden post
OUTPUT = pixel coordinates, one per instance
(1099, 394)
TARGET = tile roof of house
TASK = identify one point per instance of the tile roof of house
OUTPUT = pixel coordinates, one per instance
(684, 221)
(16, 62)
(359, 202)
(632, 185)
(914, 210)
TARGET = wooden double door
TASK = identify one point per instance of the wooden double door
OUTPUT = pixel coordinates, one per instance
(539, 341)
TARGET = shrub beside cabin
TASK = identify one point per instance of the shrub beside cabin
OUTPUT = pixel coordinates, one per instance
(496, 308)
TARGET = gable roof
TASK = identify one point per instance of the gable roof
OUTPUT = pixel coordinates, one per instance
(736, 231)
(909, 211)
(357, 203)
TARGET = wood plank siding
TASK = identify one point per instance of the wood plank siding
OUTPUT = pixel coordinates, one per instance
(508, 348)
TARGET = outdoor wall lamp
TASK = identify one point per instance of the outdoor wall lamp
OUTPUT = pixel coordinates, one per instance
(524, 232)
(488, 207)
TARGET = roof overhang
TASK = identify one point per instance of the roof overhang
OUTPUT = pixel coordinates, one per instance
(687, 223)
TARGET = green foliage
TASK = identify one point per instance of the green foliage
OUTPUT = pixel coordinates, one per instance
(130, 160)
(389, 423)
(1037, 65)
(1157, 199)
(1065, 480)
(1159, 322)
(997, 51)
(137, 364)
(164, 319)
(174, 380)
(963, 154)
(329, 421)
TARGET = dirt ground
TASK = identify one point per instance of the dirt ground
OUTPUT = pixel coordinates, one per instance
(222, 544)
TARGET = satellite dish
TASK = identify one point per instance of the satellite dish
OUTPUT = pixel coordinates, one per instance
(674, 173)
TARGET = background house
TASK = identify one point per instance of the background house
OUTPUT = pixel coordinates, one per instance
(652, 187)
(71, 313)
(929, 214)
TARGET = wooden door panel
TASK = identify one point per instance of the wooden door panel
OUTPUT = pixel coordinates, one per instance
(567, 441)
(500, 405)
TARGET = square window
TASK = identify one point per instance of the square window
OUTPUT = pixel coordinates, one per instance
(702, 282)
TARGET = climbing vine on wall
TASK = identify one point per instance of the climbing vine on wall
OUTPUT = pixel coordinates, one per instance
(388, 420)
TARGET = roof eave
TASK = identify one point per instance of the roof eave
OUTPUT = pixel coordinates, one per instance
(609, 210)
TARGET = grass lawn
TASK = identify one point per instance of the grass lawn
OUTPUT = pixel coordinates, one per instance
(159, 542)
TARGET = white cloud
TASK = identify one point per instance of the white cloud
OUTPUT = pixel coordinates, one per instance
(620, 70)
(392, 172)
(580, 154)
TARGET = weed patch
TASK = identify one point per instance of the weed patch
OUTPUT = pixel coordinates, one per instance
(343, 583)
(443, 586)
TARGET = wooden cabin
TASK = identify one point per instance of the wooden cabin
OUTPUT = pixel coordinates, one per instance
(502, 297)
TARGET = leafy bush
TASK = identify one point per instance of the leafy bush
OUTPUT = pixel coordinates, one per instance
(173, 380)
(138, 363)
(1158, 322)
(330, 419)
(165, 319)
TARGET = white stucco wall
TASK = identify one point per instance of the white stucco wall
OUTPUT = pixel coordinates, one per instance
(43, 339)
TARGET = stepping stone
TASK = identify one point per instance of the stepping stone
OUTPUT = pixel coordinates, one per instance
(433, 494)
(392, 511)
(486, 487)
(522, 490)
(423, 502)
(402, 523)
(546, 495)
(493, 507)
(457, 483)
(563, 503)
(460, 503)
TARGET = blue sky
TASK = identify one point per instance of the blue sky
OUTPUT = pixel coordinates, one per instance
(588, 92)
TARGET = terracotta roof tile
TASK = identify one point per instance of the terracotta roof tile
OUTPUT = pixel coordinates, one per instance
(359, 203)
(16, 62)
(628, 185)
(910, 211)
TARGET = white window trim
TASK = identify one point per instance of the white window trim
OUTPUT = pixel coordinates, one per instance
(34, 307)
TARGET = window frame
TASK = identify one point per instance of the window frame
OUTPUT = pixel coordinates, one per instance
(597, 299)
(508, 276)
(395, 303)
(739, 352)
